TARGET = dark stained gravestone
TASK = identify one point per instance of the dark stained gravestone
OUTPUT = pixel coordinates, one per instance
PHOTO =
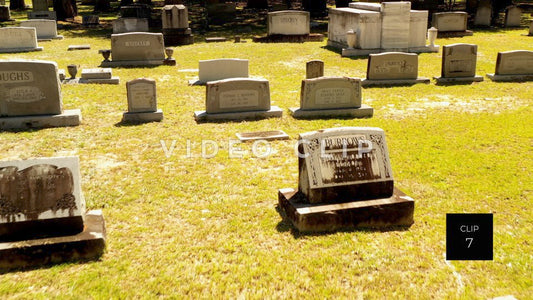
(393, 68)
(459, 64)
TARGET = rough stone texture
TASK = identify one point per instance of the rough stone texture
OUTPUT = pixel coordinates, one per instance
(237, 95)
(142, 117)
(459, 60)
(314, 69)
(18, 39)
(123, 25)
(45, 29)
(392, 65)
(450, 21)
(395, 21)
(531, 28)
(90, 21)
(330, 93)
(141, 95)
(29, 88)
(418, 28)
(513, 16)
(224, 68)
(175, 17)
(518, 62)
(367, 25)
(288, 22)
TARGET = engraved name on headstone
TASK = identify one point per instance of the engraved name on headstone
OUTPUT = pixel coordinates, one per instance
(330, 92)
(237, 94)
(141, 95)
(392, 65)
(288, 22)
(137, 46)
(459, 60)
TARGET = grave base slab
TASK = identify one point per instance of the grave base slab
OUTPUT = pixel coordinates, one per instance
(16, 50)
(88, 244)
(112, 80)
(348, 52)
(364, 111)
(441, 80)
(131, 63)
(282, 38)
(273, 112)
(387, 82)
(495, 77)
(397, 210)
(47, 39)
(141, 117)
(70, 117)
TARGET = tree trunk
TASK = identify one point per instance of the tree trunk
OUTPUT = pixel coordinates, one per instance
(65, 9)
(17, 5)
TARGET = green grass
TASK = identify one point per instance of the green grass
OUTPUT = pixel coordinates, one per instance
(202, 228)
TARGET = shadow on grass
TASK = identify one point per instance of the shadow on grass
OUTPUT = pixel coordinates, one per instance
(49, 265)
(339, 51)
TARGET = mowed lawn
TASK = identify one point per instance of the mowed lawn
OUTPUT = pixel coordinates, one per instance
(181, 225)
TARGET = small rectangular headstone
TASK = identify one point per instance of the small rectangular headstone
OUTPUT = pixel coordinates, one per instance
(141, 95)
(519, 62)
(314, 69)
(459, 60)
(288, 22)
(218, 69)
(96, 73)
(330, 93)
(50, 15)
(45, 29)
(450, 21)
(392, 65)
(344, 164)
(531, 27)
(5, 13)
(18, 38)
(40, 5)
(91, 20)
(237, 95)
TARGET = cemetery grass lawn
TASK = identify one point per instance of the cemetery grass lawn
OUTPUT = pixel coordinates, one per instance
(196, 227)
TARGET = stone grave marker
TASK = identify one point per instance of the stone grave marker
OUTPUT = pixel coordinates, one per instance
(395, 20)
(314, 69)
(289, 26)
(176, 30)
(345, 181)
(237, 99)
(5, 14)
(90, 21)
(50, 15)
(40, 5)
(483, 14)
(142, 101)
(218, 69)
(393, 68)
(45, 29)
(451, 24)
(136, 49)
(324, 97)
(18, 39)
(513, 66)
(42, 214)
(30, 96)
(123, 25)
(459, 64)
(98, 76)
(513, 16)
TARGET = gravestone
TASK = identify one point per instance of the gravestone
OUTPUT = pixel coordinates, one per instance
(142, 102)
(237, 99)
(483, 14)
(5, 14)
(49, 15)
(395, 20)
(90, 21)
(40, 5)
(314, 69)
(393, 68)
(136, 49)
(418, 25)
(218, 69)
(18, 39)
(176, 30)
(98, 76)
(366, 23)
(451, 24)
(289, 26)
(30, 96)
(513, 16)
(123, 25)
(345, 181)
(513, 66)
(459, 64)
(325, 97)
(42, 214)
(45, 29)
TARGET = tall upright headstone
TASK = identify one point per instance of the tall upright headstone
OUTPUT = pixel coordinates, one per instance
(345, 181)
(513, 16)
(459, 64)
(40, 5)
(483, 13)
(123, 25)
(176, 28)
(395, 20)
(451, 24)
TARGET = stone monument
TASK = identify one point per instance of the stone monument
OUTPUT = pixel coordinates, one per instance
(459, 64)
(237, 99)
(135, 49)
(451, 24)
(483, 13)
(176, 28)
(45, 29)
(124, 25)
(142, 102)
(92, 76)
(30, 96)
(513, 66)
(345, 181)
(326, 97)
(218, 69)
(513, 16)
(392, 68)
(289, 26)
(18, 39)
(42, 214)
(40, 10)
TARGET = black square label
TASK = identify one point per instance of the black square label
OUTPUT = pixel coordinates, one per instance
(469, 236)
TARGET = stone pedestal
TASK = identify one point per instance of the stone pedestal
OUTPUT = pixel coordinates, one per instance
(289, 26)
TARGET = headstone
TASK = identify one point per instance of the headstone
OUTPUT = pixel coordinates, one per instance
(45, 29)
(142, 101)
(330, 97)
(451, 24)
(314, 69)
(136, 49)
(98, 76)
(483, 14)
(395, 20)
(90, 21)
(459, 63)
(5, 14)
(122, 25)
(175, 19)
(393, 68)
(345, 180)
(218, 69)
(288, 22)
(418, 28)
(236, 99)
(18, 39)
(40, 5)
(42, 214)
(30, 96)
(513, 16)
(513, 66)
(50, 15)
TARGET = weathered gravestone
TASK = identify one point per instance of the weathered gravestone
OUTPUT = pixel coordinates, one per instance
(30, 96)
(393, 68)
(483, 14)
(45, 29)
(513, 66)
(345, 181)
(451, 24)
(218, 69)
(142, 102)
(459, 64)
(18, 39)
(123, 25)
(176, 28)
(289, 26)
(40, 5)
(325, 97)
(314, 69)
(136, 49)
(238, 99)
(395, 21)
(50, 15)
(5, 14)
(98, 76)
(513, 16)
(42, 214)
